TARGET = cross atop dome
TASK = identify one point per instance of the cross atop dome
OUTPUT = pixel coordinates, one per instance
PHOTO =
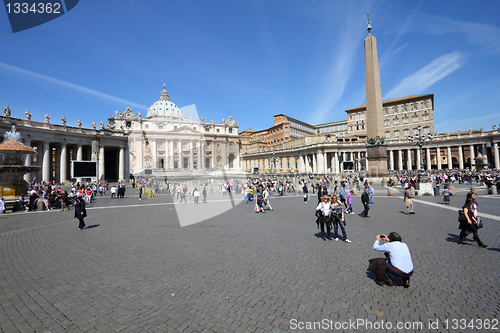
(164, 94)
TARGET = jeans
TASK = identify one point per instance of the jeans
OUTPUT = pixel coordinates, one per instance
(367, 208)
(336, 224)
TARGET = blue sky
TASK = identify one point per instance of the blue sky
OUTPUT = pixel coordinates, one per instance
(251, 59)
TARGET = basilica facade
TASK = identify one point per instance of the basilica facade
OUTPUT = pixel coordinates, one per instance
(167, 141)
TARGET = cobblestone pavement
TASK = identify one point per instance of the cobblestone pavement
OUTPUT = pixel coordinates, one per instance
(134, 269)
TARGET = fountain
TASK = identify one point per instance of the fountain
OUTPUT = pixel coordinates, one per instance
(12, 168)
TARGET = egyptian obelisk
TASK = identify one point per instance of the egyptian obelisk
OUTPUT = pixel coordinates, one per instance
(376, 145)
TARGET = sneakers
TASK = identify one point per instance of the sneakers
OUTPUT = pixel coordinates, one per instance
(347, 241)
(336, 239)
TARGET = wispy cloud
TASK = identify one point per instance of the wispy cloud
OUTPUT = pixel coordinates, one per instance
(424, 78)
(339, 72)
(69, 85)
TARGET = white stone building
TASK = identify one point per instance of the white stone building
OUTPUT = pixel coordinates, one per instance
(170, 142)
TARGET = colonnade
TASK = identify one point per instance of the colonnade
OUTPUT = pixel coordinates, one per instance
(185, 154)
(55, 158)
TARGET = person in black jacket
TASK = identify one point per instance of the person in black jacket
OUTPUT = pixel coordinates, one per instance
(365, 199)
(80, 212)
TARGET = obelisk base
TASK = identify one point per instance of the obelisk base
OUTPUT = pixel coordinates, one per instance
(377, 161)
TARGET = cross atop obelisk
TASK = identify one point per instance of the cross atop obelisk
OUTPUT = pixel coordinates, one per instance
(375, 140)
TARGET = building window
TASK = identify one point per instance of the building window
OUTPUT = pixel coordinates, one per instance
(414, 106)
(425, 116)
(160, 144)
(160, 127)
(386, 110)
(415, 117)
(424, 104)
(406, 132)
(405, 108)
(415, 131)
(405, 119)
(386, 122)
(218, 130)
(396, 133)
(230, 130)
(426, 130)
(387, 134)
(394, 109)
(396, 121)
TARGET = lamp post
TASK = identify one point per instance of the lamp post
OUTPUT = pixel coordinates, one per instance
(421, 140)
(273, 159)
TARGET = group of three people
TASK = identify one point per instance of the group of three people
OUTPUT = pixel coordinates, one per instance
(331, 211)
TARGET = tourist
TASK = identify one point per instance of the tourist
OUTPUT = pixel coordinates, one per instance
(113, 192)
(349, 202)
(370, 193)
(204, 193)
(408, 199)
(266, 195)
(399, 260)
(446, 195)
(306, 192)
(468, 222)
(365, 200)
(323, 210)
(80, 212)
(337, 218)
(196, 195)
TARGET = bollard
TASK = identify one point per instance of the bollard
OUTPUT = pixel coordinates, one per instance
(473, 189)
(390, 191)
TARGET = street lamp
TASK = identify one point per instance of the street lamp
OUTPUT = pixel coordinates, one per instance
(421, 140)
(273, 159)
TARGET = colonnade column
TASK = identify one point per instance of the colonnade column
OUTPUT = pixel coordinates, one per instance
(27, 162)
(472, 155)
(391, 160)
(79, 157)
(400, 159)
(438, 156)
(408, 159)
(213, 154)
(46, 162)
(418, 159)
(121, 161)
(301, 164)
(191, 155)
(450, 159)
(428, 158)
(64, 163)
(100, 174)
(320, 162)
(496, 157)
(460, 157)
(171, 154)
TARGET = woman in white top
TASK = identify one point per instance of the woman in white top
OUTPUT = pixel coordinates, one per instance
(324, 209)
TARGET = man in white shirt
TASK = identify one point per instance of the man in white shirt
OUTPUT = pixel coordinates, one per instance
(400, 263)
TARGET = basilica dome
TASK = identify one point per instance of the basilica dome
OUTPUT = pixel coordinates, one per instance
(164, 108)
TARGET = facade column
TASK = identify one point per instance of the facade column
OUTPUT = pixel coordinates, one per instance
(400, 159)
(79, 157)
(191, 155)
(320, 162)
(495, 155)
(450, 159)
(27, 162)
(171, 154)
(408, 159)
(460, 157)
(428, 158)
(213, 154)
(438, 156)
(100, 174)
(154, 147)
(121, 164)
(301, 164)
(472, 154)
(201, 155)
(57, 164)
(46, 162)
(391, 159)
(224, 153)
(418, 159)
(64, 163)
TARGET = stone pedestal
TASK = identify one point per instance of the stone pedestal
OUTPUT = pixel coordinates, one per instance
(425, 189)
(377, 161)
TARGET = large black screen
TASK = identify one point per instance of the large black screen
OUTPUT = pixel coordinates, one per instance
(84, 169)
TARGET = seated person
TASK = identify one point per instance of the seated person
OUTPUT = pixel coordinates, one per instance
(399, 264)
